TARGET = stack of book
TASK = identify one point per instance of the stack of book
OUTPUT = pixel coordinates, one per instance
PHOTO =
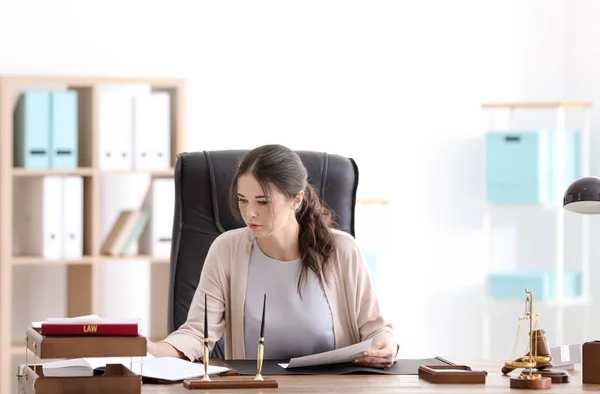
(77, 338)
(122, 238)
(98, 355)
(89, 326)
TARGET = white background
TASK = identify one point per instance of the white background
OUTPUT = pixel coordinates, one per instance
(395, 84)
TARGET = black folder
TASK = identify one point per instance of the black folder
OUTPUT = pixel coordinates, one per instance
(271, 367)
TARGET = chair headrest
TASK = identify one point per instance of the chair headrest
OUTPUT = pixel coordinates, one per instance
(205, 178)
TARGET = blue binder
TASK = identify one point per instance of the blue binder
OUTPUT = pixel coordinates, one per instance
(63, 130)
(31, 131)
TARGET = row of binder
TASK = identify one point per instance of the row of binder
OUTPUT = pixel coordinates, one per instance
(134, 129)
(45, 130)
(156, 240)
(48, 220)
(48, 217)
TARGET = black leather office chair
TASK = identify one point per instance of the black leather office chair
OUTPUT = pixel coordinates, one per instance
(202, 181)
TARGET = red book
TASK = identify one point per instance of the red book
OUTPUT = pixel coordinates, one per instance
(91, 327)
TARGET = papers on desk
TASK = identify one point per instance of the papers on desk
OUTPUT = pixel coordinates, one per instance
(163, 368)
(38, 324)
(343, 355)
(173, 369)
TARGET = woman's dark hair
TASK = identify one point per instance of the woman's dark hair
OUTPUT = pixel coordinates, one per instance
(280, 167)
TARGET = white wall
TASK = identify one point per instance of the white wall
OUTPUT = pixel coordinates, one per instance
(397, 85)
(582, 61)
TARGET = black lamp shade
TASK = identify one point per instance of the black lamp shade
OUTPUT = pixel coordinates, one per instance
(583, 196)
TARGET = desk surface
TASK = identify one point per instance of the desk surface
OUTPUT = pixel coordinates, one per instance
(495, 383)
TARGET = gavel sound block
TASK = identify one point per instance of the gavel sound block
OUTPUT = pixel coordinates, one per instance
(590, 360)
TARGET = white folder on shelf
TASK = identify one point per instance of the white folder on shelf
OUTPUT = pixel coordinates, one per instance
(72, 199)
(152, 131)
(38, 217)
(115, 125)
(157, 238)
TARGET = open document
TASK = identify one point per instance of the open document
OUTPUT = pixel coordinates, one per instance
(343, 355)
(163, 368)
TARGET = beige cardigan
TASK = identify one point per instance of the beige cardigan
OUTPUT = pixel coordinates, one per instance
(353, 302)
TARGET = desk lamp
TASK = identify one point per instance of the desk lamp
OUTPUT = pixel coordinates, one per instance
(583, 196)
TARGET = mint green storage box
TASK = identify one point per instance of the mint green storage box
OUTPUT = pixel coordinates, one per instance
(371, 259)
(519, 166)
(512, 285)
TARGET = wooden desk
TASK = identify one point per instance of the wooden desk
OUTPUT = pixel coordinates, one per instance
(379, 384)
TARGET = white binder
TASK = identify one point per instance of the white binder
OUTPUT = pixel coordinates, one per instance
(115, 121)
(157, 238)
(38, 216)
(152, 131)
(72, 203)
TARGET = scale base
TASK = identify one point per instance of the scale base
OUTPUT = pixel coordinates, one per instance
(533, 382)
(556, 375)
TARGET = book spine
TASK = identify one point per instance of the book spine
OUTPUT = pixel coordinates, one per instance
(89, 329)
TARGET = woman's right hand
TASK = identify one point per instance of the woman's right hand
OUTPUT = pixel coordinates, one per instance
(163, 349)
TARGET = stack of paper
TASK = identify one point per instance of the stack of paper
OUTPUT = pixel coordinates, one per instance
(343, 355)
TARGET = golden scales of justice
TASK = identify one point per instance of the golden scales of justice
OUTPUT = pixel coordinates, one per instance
(530, 379)
(232, 382)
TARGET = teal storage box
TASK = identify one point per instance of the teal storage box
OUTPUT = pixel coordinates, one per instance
(512, 285)
(520, 166)
(371, 259)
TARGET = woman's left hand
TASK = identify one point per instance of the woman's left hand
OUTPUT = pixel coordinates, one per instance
(381, 355)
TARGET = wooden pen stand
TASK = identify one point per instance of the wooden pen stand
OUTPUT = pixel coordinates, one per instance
(230, 382)
(116, 379)
(451, 374)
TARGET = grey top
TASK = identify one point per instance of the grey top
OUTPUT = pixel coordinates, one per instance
(294, 327)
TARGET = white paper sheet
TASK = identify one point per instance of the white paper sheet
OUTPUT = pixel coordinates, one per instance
(38, 324)
(346, 354)
(173, 369)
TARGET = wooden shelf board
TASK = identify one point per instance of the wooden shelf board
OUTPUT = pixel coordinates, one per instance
(152, 173)
(18, 348)
(153, 260)
(89, 81)
(86, 171)
(539, 104)
(23, 172)
(372, 201)
(37, 260)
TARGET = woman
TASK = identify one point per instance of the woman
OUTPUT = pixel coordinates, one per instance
(319, 292)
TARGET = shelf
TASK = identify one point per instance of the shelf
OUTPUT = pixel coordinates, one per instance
(87, 171)
(153, 260)
(152, 173)
(82, 81)
(84, 292)
(540, 104)
(24, 172)
(372, 201)
(566, 302)
(564, 297)
(17, 348)
(37, 260)
(85, 260)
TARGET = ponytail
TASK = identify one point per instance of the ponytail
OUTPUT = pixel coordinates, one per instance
(316, 241)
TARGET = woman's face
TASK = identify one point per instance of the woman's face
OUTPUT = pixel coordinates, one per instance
(263, 214)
